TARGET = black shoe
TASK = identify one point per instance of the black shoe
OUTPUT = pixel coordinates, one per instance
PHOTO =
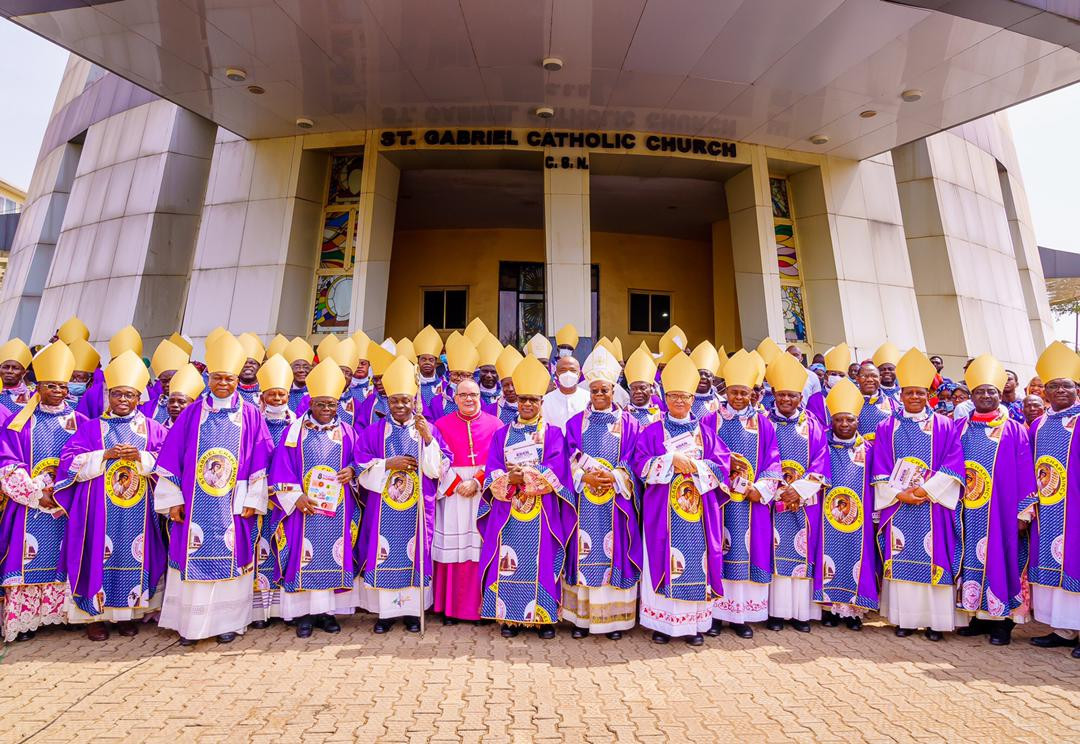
(183, 641)
(327, 624)
(853, 623)
(830, 620)
(743, 630)
(695, 640)
(933, 635)
(976, 627)
(903, 632)
(774, 623)
(383, 626)
(260, 624)
(1001, 636)
(661, 638)
(546, 633)
(447, 620)
(714, 631)
(412, 623)
(579, 633)
(226, 637)
(509, 631)
(1076, 653)
(304, 627)
(800, 625)
(26, 635)
(1053, 640)
(614, 635)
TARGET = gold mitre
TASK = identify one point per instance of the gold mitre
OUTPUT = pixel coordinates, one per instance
(253, 346)
(838, 358)
(427, 341)
(123, 340)
(680, 375)
(531, 377)
(640, 367)
(488, 351)
(845, 397)
(274, 374)
(326, 347)
(325, 380)
(761, 367)
(461, 355)
(213, 335)
(400, 378)
(407, 349)
(16, 350)
(705, 357)
(508, 360)
(567, 336)
(73, 329)
(362, 341)
(985, 369)
(721, 357)
(167, 356)
(538, 346)
(616, 348)
(1058, 362)
(768, 350)
(86, 356)
(346, 354)
(277, 345)
(225, 355)
(128, 370)
(189, 381)
(785, 373)
(887, 353)
(741, 370)
(182, 341)
(915, 370)
(671, 343)
(379, 358)
(54, 363)
(476, 330)
(298, 349)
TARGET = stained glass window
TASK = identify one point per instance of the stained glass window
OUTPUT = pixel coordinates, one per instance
(792, 295)
(337, 245)
(794, 313)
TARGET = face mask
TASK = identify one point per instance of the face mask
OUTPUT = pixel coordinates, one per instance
(833, 379)
(277, 410)
(565, 353)
(568, 379)
(76, 388)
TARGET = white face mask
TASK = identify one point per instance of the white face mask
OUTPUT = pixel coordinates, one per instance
(568, 379)
(832, 379)
(565, 352)
(277, 410)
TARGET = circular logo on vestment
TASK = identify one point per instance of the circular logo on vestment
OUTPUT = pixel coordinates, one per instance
(678, 563)
(977, 485)
(684, 498)
(792, 470)
(740, 469)
(844, 509)
(123, 484)
(604, 496)
(216, 471)
(401, 490)
(46, 467)
(1050, 476)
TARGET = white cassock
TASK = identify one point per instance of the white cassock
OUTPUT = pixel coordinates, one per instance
(790, 597)
(908, 605)
(558, 407)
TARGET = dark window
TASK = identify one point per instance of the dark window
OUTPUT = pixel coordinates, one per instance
(445, 309)
(521, 301)
(594, 301)
(650, 312)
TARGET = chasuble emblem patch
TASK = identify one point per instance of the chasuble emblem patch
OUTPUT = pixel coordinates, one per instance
(1050, 475)
(684, 498)
(216, 471)
(123, 485)
(844, 509)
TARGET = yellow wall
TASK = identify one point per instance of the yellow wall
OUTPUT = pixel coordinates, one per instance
(453, 258)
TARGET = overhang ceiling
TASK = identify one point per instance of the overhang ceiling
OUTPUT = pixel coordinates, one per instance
(771, 72)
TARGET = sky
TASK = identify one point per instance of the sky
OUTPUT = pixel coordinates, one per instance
(1044, 131)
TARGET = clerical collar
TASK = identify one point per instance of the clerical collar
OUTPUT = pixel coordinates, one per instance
(919, 417)
(311, 423)
(888, 388)
(404, 424)
(728, 413)
(677, 420)
(483, 389)
(428, 380)
(840, 442)
(52, 409)
(775, 412)
(468, 418)
(299, 387)
(111, 415)
(219, 403)
(1070, 411)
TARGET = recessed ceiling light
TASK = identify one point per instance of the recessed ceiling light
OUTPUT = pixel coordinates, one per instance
(911, 95)
(819, 139)
(236, 74)
(304, 123)
(256, 90)
(868, 114)
(544, 112)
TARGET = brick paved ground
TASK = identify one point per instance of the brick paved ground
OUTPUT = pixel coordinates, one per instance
(468, 684)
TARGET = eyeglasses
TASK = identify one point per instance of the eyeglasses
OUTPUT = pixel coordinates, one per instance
(1059, 385)
(680, 397)
(467, 396)
(124, 394)
(325, 405)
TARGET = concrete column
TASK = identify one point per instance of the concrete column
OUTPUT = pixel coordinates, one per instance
(374, 241)
(255, 259)
(757, 278)
(567, 233)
